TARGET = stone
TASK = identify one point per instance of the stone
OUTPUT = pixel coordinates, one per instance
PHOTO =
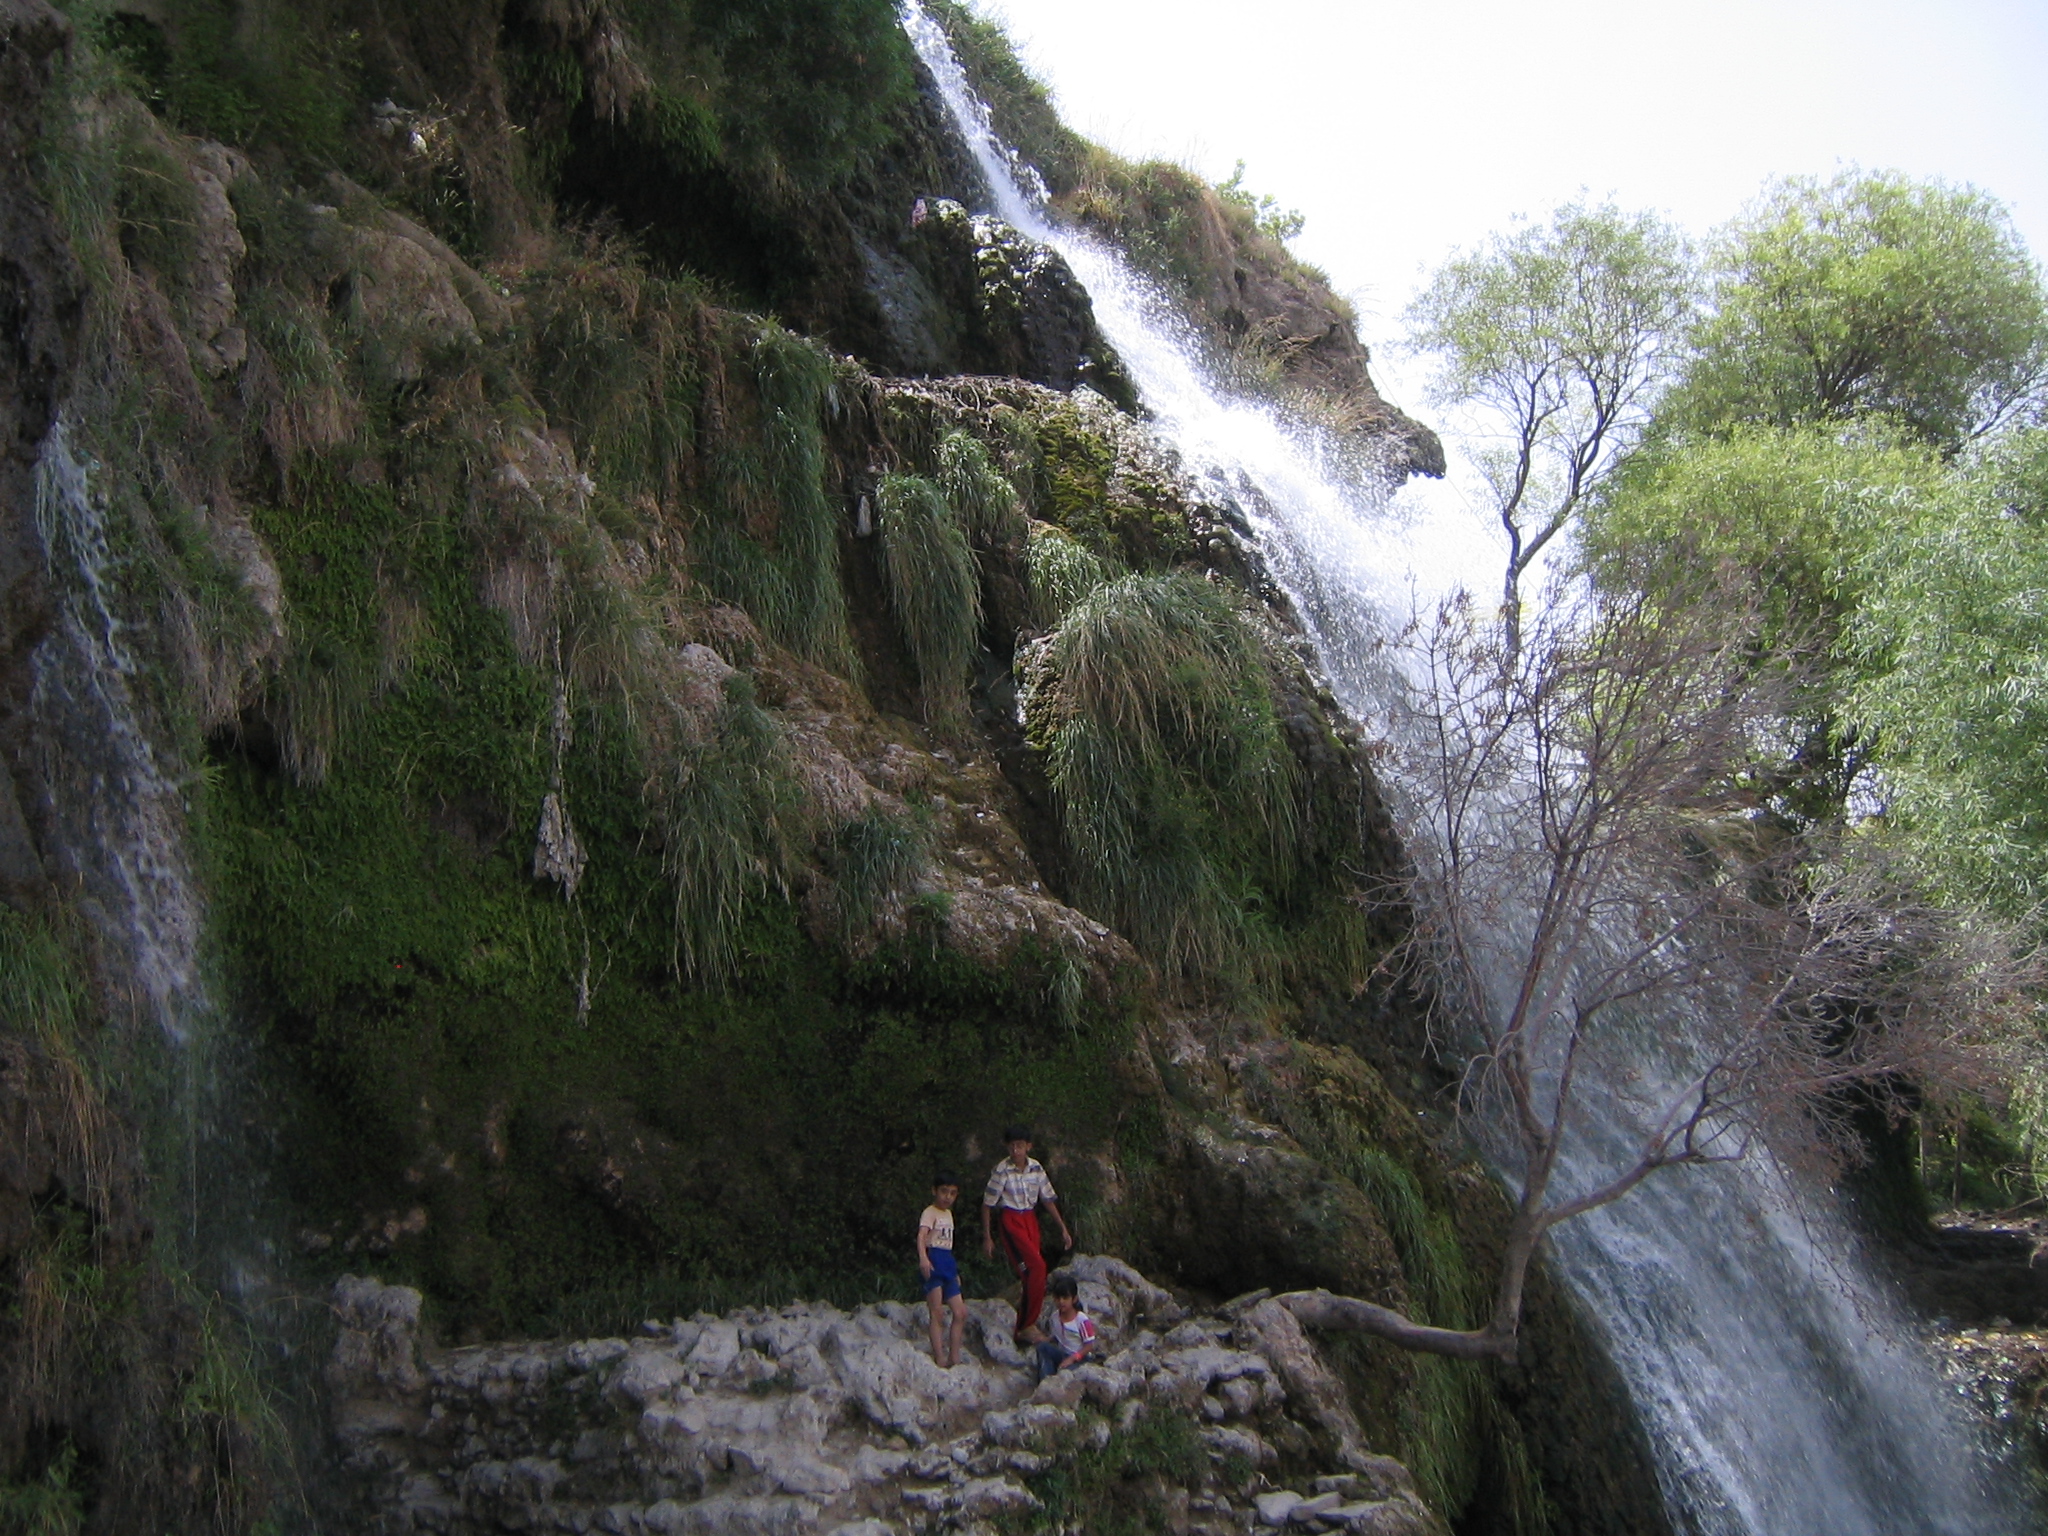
(1311, 1509)
(1030, 1427)
(1274, 1508)
(715, 1350)
(989, 1496)
(813, 1420)
(1063, 1389)
(648, 1375)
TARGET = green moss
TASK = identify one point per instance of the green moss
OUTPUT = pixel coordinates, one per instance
(439, 1021)
(1079, 489)
(1446, 1420)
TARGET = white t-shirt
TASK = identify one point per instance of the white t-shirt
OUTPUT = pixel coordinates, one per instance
(940, 1224)
(1072, 1333)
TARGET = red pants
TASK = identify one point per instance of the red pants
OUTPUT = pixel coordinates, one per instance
(1022, 1244)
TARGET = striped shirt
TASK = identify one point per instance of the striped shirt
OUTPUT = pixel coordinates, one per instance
(1018, 1189)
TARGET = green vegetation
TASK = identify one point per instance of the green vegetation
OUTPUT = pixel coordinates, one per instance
(1869, 294)
(801, 90)
(1117, 1489)
(47, 1503)
(1271, 220)
(1562, 334)
(1176, 789)
(1843, 440)
(775, 552)
(933, 587)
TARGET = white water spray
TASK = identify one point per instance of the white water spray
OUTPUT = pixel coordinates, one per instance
(1780, 1390)
(126, 814)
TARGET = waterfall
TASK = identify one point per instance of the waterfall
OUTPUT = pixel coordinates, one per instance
(1782, 1392)
(124, 817)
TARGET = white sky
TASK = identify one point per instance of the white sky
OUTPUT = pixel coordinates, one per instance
(1405, 128)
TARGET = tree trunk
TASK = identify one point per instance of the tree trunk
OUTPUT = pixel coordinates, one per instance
(1321, 1309)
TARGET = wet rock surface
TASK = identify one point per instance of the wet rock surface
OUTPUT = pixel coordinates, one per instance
(812, 1419)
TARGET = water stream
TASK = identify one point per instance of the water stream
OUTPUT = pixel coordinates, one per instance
(1782, 1393)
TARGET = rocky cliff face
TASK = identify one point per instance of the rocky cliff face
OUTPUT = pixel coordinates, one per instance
(683, 698)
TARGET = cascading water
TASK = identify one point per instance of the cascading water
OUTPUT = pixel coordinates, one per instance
(126, 815)
(1781, 1393)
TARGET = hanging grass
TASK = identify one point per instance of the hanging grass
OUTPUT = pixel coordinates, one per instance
(933, 588)
(729, 816)
(772, 545)
(983, 500)
(615, 359)
(1175, 785)
(1062, 570)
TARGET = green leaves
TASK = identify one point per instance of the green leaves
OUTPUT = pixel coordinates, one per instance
(1952, 644)
(1867, 294)
(1560, 336)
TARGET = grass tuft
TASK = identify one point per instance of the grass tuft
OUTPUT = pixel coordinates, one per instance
(878, 858)
(728, 815)
(982, 498)
(933, 587)
(771, 544)
(1175, 785)
(1062, 571)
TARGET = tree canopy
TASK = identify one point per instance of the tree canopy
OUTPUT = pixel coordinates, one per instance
(1868, 293)
(1560, 336)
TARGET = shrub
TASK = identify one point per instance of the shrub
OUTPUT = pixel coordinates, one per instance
(983, 500)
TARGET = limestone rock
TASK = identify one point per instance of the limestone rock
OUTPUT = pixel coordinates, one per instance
(809, 1419)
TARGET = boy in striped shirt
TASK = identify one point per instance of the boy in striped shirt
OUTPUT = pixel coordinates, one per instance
(1016, 1190)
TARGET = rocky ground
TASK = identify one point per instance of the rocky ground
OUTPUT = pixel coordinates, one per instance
(810, 1419)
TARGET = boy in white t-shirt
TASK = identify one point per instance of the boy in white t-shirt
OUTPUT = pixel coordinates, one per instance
(941, 1271)
(1073, 1331)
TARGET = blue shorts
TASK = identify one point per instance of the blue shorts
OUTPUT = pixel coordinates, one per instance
(945, 1275)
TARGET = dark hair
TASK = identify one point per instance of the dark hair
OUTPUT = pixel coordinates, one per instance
(941, 1180)
(1064, 1285)
(1016, 1133)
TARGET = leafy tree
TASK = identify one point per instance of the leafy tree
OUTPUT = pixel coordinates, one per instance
(1869, 293)
(1952, 639)
(1792, 520)
(1561, 335)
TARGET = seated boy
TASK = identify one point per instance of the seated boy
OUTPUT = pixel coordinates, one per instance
(940, 1270)
(1073, 1331)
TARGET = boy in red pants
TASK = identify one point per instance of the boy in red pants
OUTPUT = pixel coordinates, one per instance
(1015, 1191)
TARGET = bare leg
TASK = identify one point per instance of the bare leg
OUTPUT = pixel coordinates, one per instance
(937, 1308)
(959, 1327)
